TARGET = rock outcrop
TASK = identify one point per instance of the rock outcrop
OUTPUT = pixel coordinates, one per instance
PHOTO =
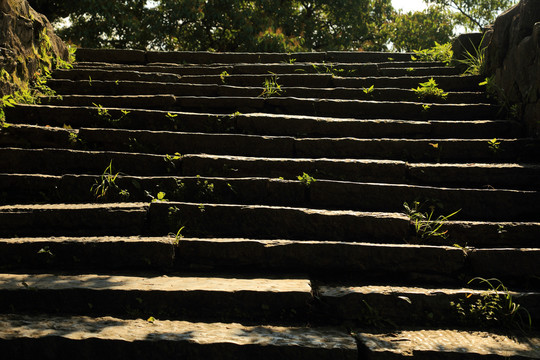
(513, 57)
(27, 45)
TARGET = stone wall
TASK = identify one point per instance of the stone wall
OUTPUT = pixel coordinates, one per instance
(27, 45)
(513, 57)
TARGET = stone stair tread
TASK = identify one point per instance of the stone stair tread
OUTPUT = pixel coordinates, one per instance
(163, 283)
(448, 343)
(168, 339)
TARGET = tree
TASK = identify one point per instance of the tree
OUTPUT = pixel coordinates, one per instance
(223, 25)
(475, 14)
(421, 29)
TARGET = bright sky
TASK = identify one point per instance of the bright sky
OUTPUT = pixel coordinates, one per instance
(409, 5)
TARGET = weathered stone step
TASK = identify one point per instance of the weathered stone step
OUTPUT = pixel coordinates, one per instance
(73, 219)
(338, 69)
(473, 204)
(201, 57)
(63, 161)
(103, 253)
(70, 88)
(318, 80)
(160, 142)
(339, 108)
(437, 150)
(448, 344)
(502, 176)
(271, 222)
(173, 297)
(260, 123)
(318, 258)
(387, 306)
(85, 338)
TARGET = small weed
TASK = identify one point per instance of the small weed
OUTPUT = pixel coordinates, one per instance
(271, 87)
(223, 76)
(102, 188)
(410, 70)
(178, 236)
(171, 116)
(494, 145)
(426, 107)
(235, 114)
(429, 90)
(160, 196)
(89, 81)
(369, 90)
(46, 250)
(425, 225)
(292, 61)
(495, 307)
(306, 179)
(172, 160)
(205, 189)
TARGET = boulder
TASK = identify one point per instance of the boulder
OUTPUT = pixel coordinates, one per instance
(513, 57)
(28, 45)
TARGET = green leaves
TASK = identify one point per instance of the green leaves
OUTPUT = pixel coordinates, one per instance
(429, 90)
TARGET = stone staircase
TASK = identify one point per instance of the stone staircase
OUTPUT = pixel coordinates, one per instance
(165, 206)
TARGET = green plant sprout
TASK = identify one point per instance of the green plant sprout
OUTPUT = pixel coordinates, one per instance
(494, 145)
(5, 101)
(171, 161)
(224, 76)
(171, 116)
(178, 236)
(425, 225)
(429, 90)
(271, 87)
(106, 184)
(476, 60)
(496, 307)
(306, 179)
(369, 90)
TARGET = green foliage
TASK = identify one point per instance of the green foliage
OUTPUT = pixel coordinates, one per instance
(422, 29)
(425, 225)
(172, 161)
(439, 52)
(306, 179)
(495, 307)
(430, 91)
(476, 61)
(104, 114)
(106, 189)
(271, 87)
(5, 101)
(224, 76)
(369, 90)
(494, 145)
(224, 25)
(475, 14)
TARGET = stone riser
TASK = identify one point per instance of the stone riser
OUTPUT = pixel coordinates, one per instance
(151, 142)
(264, 124)
(69, 88)
(445, 82)
(311, 107)
(473, 204)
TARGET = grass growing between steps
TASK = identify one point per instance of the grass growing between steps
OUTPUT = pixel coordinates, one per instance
(495, 308)
(426, 225)
(106, 188)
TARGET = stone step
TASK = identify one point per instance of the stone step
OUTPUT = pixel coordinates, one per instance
(367, 109)
(86, 338)
(337, 69)
(388, 306)
(97, 253)
(473, 204)
(436, 150)
(272, 222)
(201, 57)
(73, 219)
(447, 344)
(64, 161)
(501, 176)
(261, 123)
(319, 80)
(123, 88)
(216, 298)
